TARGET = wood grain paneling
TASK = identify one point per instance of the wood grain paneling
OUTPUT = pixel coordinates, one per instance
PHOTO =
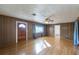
(51, 30)
(30, 31)
(0, 31)
(66, 30)
(8, 30)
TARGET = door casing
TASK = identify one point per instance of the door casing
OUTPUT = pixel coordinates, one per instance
(17, 30)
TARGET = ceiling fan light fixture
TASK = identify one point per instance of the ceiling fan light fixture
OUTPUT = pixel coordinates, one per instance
(46, 22)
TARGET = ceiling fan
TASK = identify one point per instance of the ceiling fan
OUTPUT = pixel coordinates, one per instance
(48, 20)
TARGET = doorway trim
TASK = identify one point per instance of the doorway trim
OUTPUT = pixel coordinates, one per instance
(17, 30)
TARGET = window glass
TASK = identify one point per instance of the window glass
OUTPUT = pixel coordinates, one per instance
(39, 29)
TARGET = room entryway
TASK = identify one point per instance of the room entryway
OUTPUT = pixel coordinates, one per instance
(21, 31)
(57, 31)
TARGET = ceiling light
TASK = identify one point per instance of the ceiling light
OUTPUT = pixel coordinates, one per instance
(46, 21)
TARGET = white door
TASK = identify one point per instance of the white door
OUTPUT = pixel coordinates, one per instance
(57, 30)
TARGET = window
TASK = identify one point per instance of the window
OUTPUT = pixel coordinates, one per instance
(22, 26)
(39, 29)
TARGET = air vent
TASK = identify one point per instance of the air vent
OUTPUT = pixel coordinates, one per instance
(34, 14)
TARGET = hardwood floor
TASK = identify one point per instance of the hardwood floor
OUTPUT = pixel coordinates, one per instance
(42, 46)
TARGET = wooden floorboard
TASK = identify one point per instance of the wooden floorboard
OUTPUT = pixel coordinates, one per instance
(42, 46)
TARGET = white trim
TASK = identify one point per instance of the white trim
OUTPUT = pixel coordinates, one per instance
(17, 30)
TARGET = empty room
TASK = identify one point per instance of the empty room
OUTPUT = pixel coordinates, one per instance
(39, 29)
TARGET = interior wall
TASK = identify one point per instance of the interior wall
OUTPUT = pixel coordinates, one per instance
(66, 30)
(8, 30)
(30, 31)
(50, 30)
(0, 32)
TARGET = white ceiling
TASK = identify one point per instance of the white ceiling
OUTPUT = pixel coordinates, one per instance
(60, 13)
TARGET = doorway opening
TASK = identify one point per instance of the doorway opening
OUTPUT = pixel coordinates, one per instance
(57, 31)
(21, 31)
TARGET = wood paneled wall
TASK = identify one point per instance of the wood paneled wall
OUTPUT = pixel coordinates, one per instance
(30, 33)
(0, 32)
(50, 30)
(8, 30)
(66, 30)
